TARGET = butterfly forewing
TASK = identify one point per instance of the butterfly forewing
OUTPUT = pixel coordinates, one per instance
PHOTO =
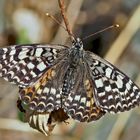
(114, 91)
(24, 64)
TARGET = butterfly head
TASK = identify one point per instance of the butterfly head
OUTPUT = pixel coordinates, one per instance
(77, 43)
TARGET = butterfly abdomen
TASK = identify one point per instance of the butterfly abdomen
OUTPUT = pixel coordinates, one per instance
(68, 82)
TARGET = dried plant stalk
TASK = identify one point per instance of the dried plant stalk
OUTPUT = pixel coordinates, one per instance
(73, 11)
(63, 13)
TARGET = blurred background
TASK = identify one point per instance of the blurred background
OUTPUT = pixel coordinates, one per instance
(24, 21)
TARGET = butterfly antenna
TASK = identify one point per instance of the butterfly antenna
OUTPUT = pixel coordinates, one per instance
(98, 32)
(63, 12)
(55, 20)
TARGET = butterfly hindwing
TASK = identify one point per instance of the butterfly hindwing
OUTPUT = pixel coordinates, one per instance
(80, 103)
(114, 91)
(44, 95)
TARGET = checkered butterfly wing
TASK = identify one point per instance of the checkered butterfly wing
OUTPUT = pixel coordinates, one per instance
(114, 91)
(24, 64)
(35, 68)
(44, 95)
(80, 102)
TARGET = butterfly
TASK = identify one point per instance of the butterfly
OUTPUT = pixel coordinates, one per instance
(58, 82)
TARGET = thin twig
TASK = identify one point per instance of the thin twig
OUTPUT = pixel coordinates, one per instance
(73, 11)
(63, 12)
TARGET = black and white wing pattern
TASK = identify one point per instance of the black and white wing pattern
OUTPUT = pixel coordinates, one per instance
(114, 91)
(24, 64)
(45, 94)
(80, 102)
(57, 83)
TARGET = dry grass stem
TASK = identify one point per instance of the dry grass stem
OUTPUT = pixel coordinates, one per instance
(124, 38)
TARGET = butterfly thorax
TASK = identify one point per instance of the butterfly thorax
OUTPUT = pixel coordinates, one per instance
(76, 52)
